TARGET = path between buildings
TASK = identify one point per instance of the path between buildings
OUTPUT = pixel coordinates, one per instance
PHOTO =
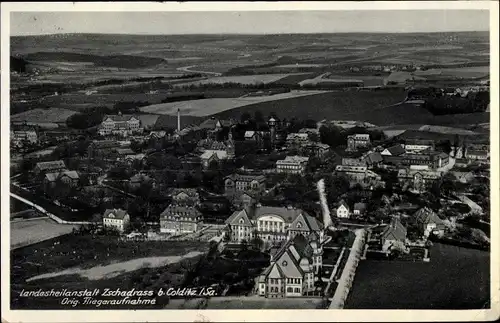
(347, 276)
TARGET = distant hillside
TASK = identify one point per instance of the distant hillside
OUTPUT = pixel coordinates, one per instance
(122, 61)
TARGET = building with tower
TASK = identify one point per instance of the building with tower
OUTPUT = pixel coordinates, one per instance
(272, 129)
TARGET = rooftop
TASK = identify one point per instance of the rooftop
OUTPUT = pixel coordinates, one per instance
(115, 214)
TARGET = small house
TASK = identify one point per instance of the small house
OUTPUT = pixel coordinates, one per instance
(394, 236)
(343, 210)
(116, 218)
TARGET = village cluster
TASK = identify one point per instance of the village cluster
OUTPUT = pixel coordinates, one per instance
(235, 182)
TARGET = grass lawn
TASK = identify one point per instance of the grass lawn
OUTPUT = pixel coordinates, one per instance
(455, 278)
(24, 232)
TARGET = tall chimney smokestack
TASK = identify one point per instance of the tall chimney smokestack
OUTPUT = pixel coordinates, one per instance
(178, 120)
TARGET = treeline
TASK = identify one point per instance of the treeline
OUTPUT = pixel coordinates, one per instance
(120, 61)
(457, 65)
(183, 97)
(473, 102)
(336, 136)
(92, 117)
(272, 86)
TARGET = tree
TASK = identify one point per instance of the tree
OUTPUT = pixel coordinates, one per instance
(118, 173)
(136, 146)
(256, 242)
(245, 117)
(332, 136)
(448, 185)
(259, 117)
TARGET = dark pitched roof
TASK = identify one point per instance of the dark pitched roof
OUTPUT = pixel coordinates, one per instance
(103, 144)
(54, 176)
(425, 216)
(236, 216)
(394, 231)
(120, 117)
(373, 158)
(360, 206)
(246, 178)
(396, 150)
(418, 141)
(181, 211)
(302, 246)
(47, 166)
(190, 192)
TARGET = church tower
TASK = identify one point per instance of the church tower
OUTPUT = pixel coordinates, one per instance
(272, 128)
(230, 149)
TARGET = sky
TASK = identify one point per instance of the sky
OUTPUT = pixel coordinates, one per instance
(248, 22)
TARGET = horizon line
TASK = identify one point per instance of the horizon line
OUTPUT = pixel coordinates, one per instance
(259, 34)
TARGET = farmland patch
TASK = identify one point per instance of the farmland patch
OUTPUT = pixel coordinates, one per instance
(52, 115)
(340, 105)
(392, 284)
(206, 107)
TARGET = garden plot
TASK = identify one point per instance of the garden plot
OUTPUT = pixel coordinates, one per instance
(53, 115)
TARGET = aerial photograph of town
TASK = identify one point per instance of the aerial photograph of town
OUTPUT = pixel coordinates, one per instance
(159, 163)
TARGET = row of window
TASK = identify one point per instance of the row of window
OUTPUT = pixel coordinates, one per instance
(174, 218)
(272, 289)
(293, 281)
(289, 166)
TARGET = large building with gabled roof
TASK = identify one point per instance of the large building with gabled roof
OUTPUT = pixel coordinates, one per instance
(119, 124)
(272, 224)
(293, 269)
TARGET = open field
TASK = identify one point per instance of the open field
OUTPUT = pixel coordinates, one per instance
(206, 107)
(429, 128)
(75, 101)
(440, 283)
(349, 105)
(464, 72)
(52, 115)
(376, 107)
(148, 120)
(25, 232)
